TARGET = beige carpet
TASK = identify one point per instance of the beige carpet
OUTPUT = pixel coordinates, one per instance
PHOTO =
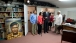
(45, 38)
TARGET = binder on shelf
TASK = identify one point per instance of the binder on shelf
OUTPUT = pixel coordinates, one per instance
(15, 9)
(0, 26)
(9, 9)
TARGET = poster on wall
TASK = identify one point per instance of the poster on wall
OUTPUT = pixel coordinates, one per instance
(13, 28)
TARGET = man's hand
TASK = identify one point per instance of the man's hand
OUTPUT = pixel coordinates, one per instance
(46, 17)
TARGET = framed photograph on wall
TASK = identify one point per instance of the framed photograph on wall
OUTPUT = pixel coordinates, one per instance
(14, 28)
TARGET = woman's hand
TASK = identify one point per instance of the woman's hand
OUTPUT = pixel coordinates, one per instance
(40, 22)
(45, 17)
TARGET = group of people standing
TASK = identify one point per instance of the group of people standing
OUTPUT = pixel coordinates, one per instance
(46, 19)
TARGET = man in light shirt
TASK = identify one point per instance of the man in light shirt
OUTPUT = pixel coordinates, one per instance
(33, 20)
(58, 21)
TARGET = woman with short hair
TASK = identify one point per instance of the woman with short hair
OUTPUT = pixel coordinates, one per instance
(40, 22)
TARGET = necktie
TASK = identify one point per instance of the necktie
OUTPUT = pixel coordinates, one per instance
(46, 13)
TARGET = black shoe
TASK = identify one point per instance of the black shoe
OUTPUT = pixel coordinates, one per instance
(58, 33)
(47, 32)
(44, 32)
(54, 32)
(39, 34)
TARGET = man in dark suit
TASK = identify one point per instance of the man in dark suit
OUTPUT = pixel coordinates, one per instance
(46, 19)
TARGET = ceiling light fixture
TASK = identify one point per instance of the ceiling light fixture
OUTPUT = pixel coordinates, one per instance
(64, 0)
(28, 1)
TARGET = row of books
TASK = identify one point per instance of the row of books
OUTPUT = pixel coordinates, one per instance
(1, 20)
(10, 15)
(12, 9)
(18, 14)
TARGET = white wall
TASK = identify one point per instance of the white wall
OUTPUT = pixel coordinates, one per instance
(42, 8)
(26, 18)
(71, 14)
(65, 11)
(38, 10)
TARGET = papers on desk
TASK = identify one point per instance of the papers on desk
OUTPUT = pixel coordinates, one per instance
(67, 24)
(71, 25)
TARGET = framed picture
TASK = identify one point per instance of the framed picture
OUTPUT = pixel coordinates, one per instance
(14, 28)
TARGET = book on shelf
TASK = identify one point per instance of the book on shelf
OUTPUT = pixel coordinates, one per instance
(1, 15)
(5, 14)
(9, 9)
(20, 9)
(1, 20)
(1, 26)
(15, 9)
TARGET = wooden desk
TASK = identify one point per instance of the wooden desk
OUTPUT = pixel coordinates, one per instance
(72, 27)
(69, 34)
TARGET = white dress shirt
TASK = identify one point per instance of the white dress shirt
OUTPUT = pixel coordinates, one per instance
(58, 19)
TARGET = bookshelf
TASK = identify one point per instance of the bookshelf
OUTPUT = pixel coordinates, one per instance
(10, 12)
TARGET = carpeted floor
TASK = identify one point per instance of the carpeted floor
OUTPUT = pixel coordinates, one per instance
(29, 38)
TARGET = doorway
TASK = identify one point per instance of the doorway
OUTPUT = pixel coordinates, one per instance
(30, 10)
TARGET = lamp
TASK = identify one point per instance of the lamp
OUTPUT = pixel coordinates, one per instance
(28, 1)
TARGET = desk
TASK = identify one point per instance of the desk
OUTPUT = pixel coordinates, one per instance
(69, 34)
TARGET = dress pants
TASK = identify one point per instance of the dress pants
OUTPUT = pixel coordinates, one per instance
(39, 28)
(56, 28)
(60, 28)
(50, 24)
(46, 27)
(34, 29)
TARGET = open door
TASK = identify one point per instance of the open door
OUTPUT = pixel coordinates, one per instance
(26, 19)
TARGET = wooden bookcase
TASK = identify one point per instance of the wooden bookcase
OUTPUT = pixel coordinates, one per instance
(10, 12)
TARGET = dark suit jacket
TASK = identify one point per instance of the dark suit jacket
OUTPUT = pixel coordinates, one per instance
(46, 15)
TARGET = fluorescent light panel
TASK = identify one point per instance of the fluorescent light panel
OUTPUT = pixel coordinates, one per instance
(64, 0)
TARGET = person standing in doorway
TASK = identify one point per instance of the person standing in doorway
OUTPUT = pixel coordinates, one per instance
(40, 21)
(46, 19)
(58, 21)
(33, 20)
